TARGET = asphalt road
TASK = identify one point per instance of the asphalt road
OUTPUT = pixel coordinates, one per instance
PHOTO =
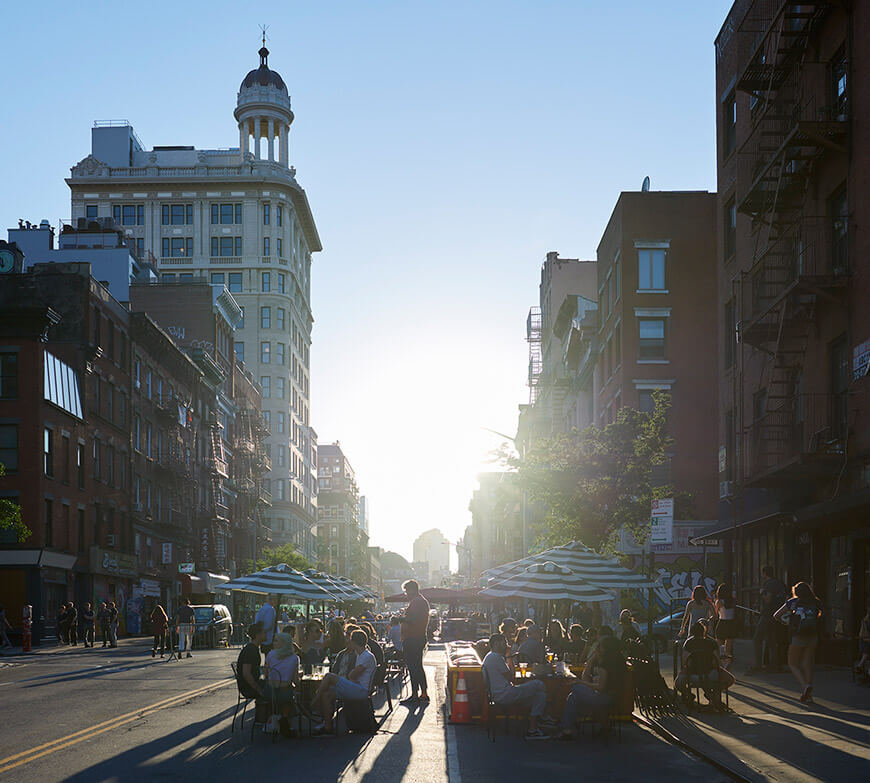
(118, 715)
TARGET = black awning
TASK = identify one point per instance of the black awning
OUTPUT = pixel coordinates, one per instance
(723, 532)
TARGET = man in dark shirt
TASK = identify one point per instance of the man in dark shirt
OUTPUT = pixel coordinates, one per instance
(532, 650)
(772, 596)
(73, 618)
(248, 663)
(415, 624)
(185, 620)
(103, 617)
(701, 658)
(88, 620)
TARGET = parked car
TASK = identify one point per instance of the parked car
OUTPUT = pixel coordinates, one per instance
(214, 626)
(665, 630)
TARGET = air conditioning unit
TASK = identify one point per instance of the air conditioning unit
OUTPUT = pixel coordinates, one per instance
(111, 540)
(726, 489)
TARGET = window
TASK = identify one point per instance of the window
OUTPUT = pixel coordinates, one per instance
(129, 214)
(176, 214)
(282, 418)
(645, 402)
(266, 383)
(651, 335)
(148, 452)
(81, 525)
(617, 268)
(267, 248)
(840, 85)
(80, 465)
(730, 334)
(267, 282)
(279, 318)
(137, 372)
(226, 214)
(48, 452)
(137, 433)
(92, 211)
(235, 281)
(265, 317)
(9, 447)
(840, 232)
(279, 387)
(49, 513)
(280, 215)
(168, 277)
(282, 451)
(217, 278)
(617, 346)
(96, 460)
(239, 349)
(65, 457)
(8, 376)
(140, 246)
(282, 282)
(279, 353)
(729, 124)
(226, 246)
(177, 247)
(265, 352)
(266, 214)
(149, 376)
(651, 269)
(730, 229)
(280, 247)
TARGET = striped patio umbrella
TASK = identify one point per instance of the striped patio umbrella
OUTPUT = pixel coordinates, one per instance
(356, 592)
(546, 582)
(596, 569)
(282, 580)
(327, 582)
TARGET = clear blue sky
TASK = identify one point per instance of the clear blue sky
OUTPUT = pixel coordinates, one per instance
(445, 148)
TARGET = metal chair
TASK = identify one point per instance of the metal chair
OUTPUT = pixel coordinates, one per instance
(494, 710)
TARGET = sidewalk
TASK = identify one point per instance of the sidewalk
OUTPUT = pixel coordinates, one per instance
(770, 735)
(50, 647)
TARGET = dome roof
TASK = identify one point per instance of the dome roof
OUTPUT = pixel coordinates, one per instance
(263, 75)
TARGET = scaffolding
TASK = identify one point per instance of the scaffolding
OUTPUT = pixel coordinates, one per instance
(536, 363)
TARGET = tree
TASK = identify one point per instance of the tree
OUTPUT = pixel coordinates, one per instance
(10, 517)
(286, 553)
(595, 481)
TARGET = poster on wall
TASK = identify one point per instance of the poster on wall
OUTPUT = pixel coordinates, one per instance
(662, 521)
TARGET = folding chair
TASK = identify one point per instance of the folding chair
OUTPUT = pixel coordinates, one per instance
(240, 698)
(699, 669)
(380, 684)
(494, 710)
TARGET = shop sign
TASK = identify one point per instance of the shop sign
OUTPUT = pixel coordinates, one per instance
(861, 360)
(186, 568)
(104, 561)
(149, 587)
(167, 554)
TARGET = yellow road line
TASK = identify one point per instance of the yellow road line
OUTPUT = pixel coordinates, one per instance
(16, 760)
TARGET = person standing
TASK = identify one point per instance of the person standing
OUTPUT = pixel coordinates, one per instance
(415, 623)
(113, 624)
(726, 627)
(4, 624)
(268, 616)
(699, 609)
(104, 616)
(88, 620)
(185, 619)
(62, 625)
(159, 627)
(803, 613)
(73, 623)
(766, 631)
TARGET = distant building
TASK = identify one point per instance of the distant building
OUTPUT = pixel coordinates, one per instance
(364, 513)
(433, 549)
(495, 535)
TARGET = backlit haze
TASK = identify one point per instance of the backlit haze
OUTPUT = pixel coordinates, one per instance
(445, 147)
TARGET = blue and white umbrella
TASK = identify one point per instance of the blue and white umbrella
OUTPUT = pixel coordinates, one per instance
(545, 582)
(280, 579)
(329, 583)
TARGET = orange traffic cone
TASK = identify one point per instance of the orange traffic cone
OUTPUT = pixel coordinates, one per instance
(461, 710)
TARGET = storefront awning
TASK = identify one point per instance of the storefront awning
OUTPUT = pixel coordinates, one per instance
(204, 582)
(37, 557)
(729, 530)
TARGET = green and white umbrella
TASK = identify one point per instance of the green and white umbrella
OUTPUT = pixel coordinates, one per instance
(280, 579)
(545, 582)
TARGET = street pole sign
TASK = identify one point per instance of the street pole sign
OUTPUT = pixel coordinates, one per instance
(662, 521)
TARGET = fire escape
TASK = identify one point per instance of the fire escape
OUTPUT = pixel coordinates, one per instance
(248, 467)
(174, 463)
(217, 463)
(536, 365)
(799, 260)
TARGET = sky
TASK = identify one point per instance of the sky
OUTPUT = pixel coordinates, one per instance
(445, 147)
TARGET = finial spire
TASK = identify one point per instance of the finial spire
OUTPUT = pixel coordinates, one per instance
(264, 52)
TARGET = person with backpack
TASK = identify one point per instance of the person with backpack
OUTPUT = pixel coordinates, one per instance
(802, 613)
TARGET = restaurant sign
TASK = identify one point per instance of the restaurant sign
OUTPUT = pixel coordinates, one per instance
(104, 561)
(186, 568)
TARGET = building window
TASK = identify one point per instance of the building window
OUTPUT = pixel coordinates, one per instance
(49, 513)
(282, 282)
(280, 215)
(96, 460)
(280, 247)
(279, 318)
(167, 277)
(840, 232)
(279, 353)
(177, 247)
(226, 214)
(730, 334)
(48, 452)
(80, 465)
(651, 269)
(645, 402)
(129, 214)
(265, 317)
(266, 214)
(137, 433)
(730, 229)
(267, 246)
(266, 384)
(840, 85)
(239, 348)
(617, 346)
(651, 336)
(265, 352)
(226, 246)
(92, 211)
(235, 282)
(9, 447)
(617, 265)
(217, 278)
(65, 457)
(279, 387)
(80, 541)
(8, 375)
(282, 418)
(140, 247)
(176, 214)
(729, 124)
(282, 452)
(267, 282)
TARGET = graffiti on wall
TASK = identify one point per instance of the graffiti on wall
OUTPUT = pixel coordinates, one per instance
(681, 576)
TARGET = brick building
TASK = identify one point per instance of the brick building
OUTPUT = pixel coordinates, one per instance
(794, 288)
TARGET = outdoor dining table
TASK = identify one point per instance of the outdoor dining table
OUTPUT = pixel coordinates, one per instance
(557, 687)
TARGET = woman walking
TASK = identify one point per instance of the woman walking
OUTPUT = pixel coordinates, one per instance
(159, 626)
(699, 609)
(803, 612)
(726, 626)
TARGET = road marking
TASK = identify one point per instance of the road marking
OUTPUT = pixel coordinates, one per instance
(26, 756)
(453, 775)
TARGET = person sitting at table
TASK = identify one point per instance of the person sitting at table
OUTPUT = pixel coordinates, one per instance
(508, 629)
(335, 642)
(532, 649)
(590, 654)
(354, 687)
(394, 634)
(503, 691)
(593, 698)
(346, 659)
(555, 640)
(282, 674)
(373, 644)
(575, 642)
(248, 665)
(522, 635)
(628, 627)
(312, 644)
(700, 656)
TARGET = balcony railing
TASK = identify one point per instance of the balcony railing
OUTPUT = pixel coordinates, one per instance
(265, 496)
(804, 431)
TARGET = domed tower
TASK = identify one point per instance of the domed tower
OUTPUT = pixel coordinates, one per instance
(263, 112)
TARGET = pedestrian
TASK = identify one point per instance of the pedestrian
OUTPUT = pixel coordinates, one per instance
(698, 609)
(73, 623)
(113, 624)
(159, 626)
(766, 633)
(802, 613)
(861, 667)
(62, 625)
(268, 616)
(185, 620)
(415, 623)
(104, 617)
(88, 620)
(4, 624)
(726, 625)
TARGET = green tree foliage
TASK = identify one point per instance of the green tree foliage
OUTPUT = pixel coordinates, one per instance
(595, 481)
(286, 553)
(10, 517)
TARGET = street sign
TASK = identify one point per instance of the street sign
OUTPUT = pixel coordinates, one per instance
(662, 521)
(185, 568)
(706, 542)
(167, 553)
